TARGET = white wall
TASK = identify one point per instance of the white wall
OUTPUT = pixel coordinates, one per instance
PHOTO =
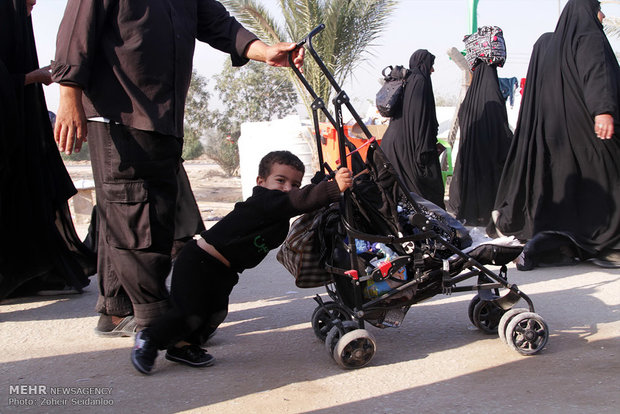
(259, 138)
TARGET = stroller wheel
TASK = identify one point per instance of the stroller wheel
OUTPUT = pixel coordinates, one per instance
(527, 333)
(355, 349)
(323, 317)
(505, 319)
(486, 316)
(470, 309)
(338, 330)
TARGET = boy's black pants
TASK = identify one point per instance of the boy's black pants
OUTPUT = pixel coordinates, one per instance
(200, 288)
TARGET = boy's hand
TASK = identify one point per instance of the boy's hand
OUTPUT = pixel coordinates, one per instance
(344, 178)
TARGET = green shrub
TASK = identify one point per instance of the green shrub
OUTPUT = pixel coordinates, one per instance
(224, 151)
(192, 147)
(83, 155)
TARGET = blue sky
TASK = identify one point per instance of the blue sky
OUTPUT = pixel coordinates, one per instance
(436, 25)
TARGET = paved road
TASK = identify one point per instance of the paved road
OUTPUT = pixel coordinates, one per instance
(269, 361)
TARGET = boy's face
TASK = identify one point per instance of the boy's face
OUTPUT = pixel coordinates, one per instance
(281, 177)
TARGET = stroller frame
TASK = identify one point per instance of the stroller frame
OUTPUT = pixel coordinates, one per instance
(341, 325)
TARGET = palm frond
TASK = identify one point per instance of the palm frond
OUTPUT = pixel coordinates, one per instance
(359, 25)
(256, 18)
(612, 26)
(299, 16)
(351, 27)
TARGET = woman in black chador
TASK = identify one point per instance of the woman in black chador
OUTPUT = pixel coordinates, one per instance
(410, 142)
(561, 184)
(39, 248)
(483, 145)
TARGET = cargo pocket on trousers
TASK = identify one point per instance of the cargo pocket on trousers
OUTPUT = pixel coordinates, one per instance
(128, 218)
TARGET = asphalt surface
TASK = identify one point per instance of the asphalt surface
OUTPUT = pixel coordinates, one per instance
(269, 360)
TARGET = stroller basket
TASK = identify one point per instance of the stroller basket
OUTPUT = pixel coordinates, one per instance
(392, 249)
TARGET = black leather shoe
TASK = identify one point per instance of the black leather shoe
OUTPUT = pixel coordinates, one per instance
(143, 353)
(191, 355)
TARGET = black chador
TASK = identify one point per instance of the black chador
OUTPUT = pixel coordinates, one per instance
(410, 142)
(483, 145)
(561, 179)
(39, 248)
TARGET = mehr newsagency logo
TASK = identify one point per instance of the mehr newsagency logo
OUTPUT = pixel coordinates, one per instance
(45, 395)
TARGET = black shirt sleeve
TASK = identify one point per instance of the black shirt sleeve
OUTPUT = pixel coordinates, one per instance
(302, 200)
(222, 31)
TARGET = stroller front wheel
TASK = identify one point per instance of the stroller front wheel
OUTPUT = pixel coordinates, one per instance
(324, 316)
(505, 319)
(470, 309)
(487, 316)
(527, 333)
(338, 330)
(355, 349)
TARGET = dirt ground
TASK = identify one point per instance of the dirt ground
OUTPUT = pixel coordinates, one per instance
(268, 359)
(215, 191)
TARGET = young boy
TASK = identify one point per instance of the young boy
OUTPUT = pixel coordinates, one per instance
(206, 271)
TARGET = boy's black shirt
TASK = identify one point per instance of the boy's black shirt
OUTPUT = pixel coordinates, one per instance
(261, 223)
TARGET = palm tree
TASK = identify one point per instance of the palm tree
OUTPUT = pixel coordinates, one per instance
(351, 27)
(612, 26)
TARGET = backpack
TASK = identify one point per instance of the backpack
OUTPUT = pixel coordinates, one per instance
(303, 252)
(390, 97)
(486, 45)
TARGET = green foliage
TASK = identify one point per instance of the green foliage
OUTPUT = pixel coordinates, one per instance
(225, 152)
(254, 92)
(192, 147)
(198, 118)
(351, 27)
(83, 155)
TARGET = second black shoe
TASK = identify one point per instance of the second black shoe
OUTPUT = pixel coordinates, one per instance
(191, 355)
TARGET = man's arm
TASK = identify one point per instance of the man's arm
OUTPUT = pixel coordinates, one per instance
(222, 31)
(79, 30)
(70, 128)
(275, 55)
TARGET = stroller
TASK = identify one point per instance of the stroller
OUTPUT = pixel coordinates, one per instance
(386, 249)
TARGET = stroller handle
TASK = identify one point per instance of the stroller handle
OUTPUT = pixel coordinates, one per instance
(313, 33)
(308, 40)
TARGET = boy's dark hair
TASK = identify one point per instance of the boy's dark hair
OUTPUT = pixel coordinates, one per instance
(279, 157)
